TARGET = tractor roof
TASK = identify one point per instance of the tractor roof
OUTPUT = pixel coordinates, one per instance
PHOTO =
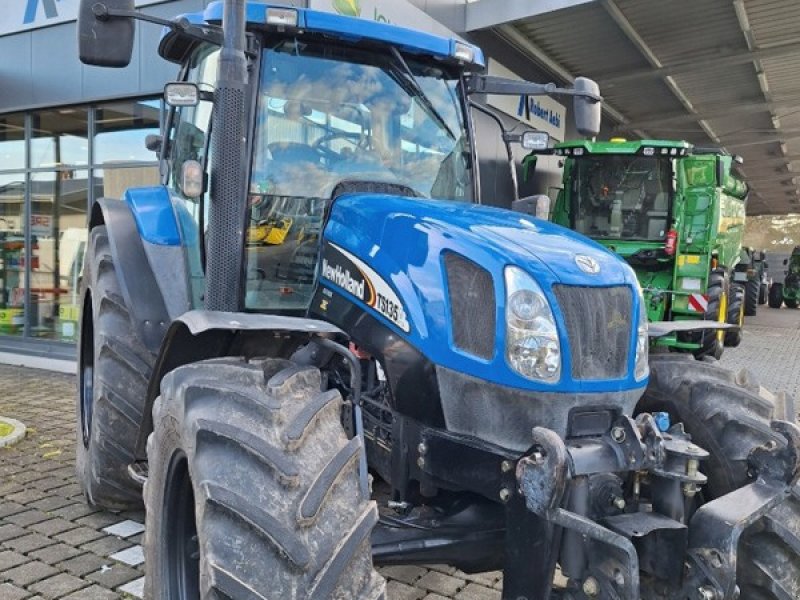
(349, 29)
(622, 146)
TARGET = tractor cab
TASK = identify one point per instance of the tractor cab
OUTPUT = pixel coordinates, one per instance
(620, 193)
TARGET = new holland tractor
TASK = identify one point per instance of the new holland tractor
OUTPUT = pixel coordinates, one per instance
(788, 292)
(481, 374)
(676, 213)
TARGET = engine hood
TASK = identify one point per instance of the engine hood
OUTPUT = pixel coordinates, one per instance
(397, 247)
(535, 245)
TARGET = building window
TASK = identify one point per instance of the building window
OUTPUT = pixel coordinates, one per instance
(48, 180)
(12, 219)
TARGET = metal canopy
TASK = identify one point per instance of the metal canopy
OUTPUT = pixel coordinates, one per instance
(722, 72)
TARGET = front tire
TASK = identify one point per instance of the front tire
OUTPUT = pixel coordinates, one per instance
(776, 295)
(752, 290)
(763, 293)
(711, 341)
(253, 488)
(735, 316)
(113, 372)
(729, 415)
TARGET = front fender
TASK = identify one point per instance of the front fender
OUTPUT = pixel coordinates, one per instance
(201, 334)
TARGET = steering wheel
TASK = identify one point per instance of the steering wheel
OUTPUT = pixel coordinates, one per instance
(359, 141)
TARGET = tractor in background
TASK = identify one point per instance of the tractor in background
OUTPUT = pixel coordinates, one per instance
(481, 374)
(751, 272)
(676, 214)
(788, 292)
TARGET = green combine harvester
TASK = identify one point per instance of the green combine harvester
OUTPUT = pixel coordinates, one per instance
(676, 213)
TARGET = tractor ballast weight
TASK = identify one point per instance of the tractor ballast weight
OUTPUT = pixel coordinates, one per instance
(490, 368)
(683, 239)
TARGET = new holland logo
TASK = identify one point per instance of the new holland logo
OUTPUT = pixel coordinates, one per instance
(587, 264)
(343, 279)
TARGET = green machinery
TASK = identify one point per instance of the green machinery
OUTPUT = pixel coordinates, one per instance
(751, 272)
(788, 292)
(676, 213)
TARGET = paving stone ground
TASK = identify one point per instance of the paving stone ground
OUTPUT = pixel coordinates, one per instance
(54, 547)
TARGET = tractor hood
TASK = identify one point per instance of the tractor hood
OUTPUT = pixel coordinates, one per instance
(395, 256)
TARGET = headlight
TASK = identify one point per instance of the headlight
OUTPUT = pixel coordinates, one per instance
(532, 346)
(642, 368)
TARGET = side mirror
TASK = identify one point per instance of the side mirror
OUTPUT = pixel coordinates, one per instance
(181, 94)
(587, 110)
(535, 140)
(153, 142)
(103, 40)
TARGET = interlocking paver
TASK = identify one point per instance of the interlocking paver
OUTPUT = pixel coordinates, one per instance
(12, 592)
(106, 545)
(30, 572)
(114, 576)
(58, 586)
(56, 553)
(10, 559)
(94, 592)
(84, 564)
(28, 543)
(80, 535)
(9, 531)
(53, 527)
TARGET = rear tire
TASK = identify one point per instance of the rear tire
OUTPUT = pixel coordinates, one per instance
(752, 291)
(250, 466)
(790, 303)
(729, 415)
(113, 371)
(776, 295)
(763, 293)
(736, 304)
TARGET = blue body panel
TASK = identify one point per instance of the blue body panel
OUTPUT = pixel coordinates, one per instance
(154, 215)
(349, 28)
(404, 240)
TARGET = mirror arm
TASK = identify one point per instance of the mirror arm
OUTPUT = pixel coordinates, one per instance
(202, 34)
(483, 84)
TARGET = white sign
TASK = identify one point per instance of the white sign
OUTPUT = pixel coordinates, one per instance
(396, 12)
(543, 113)
(22, 15)
(41, 225)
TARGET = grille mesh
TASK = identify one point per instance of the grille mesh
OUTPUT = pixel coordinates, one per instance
(226, 210)
(598, 322)
(472, 305)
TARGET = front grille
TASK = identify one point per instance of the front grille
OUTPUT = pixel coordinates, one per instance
(598, 323)
(472, 305)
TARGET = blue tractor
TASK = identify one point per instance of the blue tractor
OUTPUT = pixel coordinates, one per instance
(314, 309)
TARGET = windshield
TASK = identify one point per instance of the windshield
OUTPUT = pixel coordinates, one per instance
(328, 114)
(621, 196)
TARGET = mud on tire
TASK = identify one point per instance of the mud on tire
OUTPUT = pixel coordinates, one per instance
(114, 369)
(729, 415)
(262, 463)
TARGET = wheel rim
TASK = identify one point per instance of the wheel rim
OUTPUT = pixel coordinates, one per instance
(86, 372)
(182, 568)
